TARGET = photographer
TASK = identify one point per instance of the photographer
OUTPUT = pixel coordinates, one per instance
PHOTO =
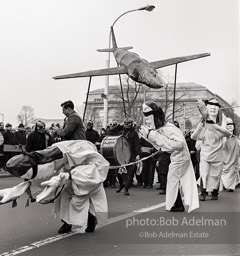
(39, 138)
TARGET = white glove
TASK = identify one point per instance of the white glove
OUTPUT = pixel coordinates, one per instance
(202, 108)
(224, 121)
(52, 185)
(10, 194)
(143, 131)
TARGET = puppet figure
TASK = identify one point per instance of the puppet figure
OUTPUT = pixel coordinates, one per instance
(169, 138)
(71, 174)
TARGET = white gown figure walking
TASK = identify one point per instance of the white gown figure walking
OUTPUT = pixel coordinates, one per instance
(170, 139)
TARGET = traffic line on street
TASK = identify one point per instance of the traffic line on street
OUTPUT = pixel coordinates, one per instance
(36, 244)
(133, 213)
(59, 237)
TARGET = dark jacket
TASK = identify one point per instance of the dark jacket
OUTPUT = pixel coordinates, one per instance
(73, 128)
(20, 137)
(191, 147)
(9, 138)
(92, 135)
(115, 132)
(38, 141)
(146, 147)
(133, 140)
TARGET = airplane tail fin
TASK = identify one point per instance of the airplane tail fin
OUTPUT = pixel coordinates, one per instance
(114, 44)
(113, 49)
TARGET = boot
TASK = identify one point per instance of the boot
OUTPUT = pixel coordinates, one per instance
(178, 205)
(65, 228)
(214, 197)
(126, 193)
(177, 209)
(203, 194)
(120, 189)
(91, 224)
(214, 194)
(202, 197)
(162, 191)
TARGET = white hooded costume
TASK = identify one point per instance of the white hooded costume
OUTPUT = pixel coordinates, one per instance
(76, 172)
(211, 155)
(169, 138)
(181, 173)
(231, 153)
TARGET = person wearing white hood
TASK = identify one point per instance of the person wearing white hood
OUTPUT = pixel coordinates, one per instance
(68, 173)
(231, 152)
(210, 135)
(167, 137)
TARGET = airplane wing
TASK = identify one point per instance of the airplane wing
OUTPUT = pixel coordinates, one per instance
(172, 61)
(98, 72)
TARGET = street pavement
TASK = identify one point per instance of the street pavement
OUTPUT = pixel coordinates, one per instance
(133, 229)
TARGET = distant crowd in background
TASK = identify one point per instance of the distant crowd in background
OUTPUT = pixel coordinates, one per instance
(39, 137)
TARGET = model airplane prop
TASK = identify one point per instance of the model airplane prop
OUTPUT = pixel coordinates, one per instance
(138, 69)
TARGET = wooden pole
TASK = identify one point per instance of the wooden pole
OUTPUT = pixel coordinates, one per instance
(90, 78)
(174, 92)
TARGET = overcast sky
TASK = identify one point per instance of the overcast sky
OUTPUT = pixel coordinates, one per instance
(44, 38)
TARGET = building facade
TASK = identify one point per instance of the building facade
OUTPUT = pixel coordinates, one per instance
(185, 110)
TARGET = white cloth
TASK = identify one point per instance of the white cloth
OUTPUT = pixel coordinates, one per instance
(230, 175)
(88, 169)
(211, 154)
(85, 192)
(181, 173)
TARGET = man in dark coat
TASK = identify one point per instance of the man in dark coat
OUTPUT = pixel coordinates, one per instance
(133, 139)
(9, 139)
(38, 139)
(9, 135)
(73, 128)
(193, 153)
(20, 135)
(111, 180)
(91, 134)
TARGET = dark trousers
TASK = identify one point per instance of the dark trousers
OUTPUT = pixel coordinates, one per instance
(196, 169)
(195, 164)
(111, 178)
(139, 179)
(163, 166)
(148, 171)
(127, 178)
(178, 203)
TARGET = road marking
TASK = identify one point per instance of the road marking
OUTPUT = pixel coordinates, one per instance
(59, 237)
(134, 213)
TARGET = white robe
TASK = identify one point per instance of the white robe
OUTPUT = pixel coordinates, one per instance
(230, 175)
(181, 173)
(211, 154)
(85, 189)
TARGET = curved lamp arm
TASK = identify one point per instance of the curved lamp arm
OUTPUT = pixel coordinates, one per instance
(148, 8)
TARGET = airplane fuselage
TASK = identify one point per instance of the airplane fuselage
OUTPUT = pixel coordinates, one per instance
(140, 70)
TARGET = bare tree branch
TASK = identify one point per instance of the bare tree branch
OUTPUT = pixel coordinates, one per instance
(26, 115)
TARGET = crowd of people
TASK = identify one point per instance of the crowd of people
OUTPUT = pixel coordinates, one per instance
(207, 156)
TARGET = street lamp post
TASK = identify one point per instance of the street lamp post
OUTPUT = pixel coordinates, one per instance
(105, 106)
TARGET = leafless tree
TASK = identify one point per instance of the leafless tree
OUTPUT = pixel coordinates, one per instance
(128, 97)
(26, 115)
(93, 114)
